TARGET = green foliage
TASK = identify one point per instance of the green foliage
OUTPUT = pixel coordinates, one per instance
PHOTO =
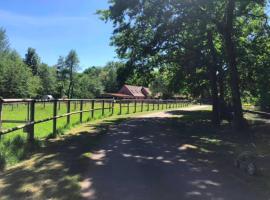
(32, 60)
(89, 87)
(4, 43)
(219, 49)
(30, 78)
(72, 65)
(16, 79)
(105, 77)
(48, 80)
(109, 76)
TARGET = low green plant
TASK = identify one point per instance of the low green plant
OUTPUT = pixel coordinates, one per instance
(2, 162)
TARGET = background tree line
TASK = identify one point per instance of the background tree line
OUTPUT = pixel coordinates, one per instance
(207, 49)
(28, 77)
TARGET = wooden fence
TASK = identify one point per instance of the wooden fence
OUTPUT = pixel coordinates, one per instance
(29, 124)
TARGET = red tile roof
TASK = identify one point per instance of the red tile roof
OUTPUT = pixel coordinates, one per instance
(136, 91)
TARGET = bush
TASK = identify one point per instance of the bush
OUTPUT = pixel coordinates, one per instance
(2, 162)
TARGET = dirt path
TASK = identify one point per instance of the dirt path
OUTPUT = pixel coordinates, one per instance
(170, 114)
(173, 155)
(147, 158)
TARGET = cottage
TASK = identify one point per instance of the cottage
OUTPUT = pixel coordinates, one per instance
(130, 92)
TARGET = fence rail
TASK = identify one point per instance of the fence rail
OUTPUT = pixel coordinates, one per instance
(28, 125)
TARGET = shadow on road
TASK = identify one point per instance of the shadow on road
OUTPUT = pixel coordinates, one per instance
(181, 157)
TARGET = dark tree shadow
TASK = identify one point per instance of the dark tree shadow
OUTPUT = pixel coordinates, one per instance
(181, 157)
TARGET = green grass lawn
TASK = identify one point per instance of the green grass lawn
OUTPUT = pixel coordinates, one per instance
(13, 146)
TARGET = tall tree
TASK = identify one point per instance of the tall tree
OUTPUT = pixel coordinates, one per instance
(109, 76)
(62, 75)
(148, 33)
(16, 79)
(72, 65)
(4, 43)
(47, 77)
(32, 60)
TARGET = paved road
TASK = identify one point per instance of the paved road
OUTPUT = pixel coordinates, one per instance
(148, 158)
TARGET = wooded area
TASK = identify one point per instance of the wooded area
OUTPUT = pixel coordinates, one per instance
(209, 49)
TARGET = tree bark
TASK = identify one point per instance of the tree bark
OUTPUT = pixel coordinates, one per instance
(212, 68)
(231, 60)
(70, 83)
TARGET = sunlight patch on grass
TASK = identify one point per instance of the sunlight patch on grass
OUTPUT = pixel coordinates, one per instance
(187, 147)
(212, 141)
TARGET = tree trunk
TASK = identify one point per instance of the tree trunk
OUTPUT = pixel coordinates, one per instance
(221, 85)
(72, 91)
(212, 68)
(70, 82)
(231, 60)
(69, 90)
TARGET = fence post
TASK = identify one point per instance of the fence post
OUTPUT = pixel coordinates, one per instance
(81, 109)
(103, 102)
(120, 104)
(92, 108)
(142, 106)
(1, 111)
(68, 111)
(28, 111)
(135, 104)
(148, 102)
(158, 104)
(162, 104)
(31, 127)
(153, 104)
(128, 107)
(112, 107)
(54, 116)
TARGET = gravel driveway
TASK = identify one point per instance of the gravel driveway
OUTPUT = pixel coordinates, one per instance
(147, 158)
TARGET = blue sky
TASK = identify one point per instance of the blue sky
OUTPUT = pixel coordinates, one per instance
(53, 27)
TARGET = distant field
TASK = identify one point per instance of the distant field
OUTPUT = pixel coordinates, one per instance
(11, 142)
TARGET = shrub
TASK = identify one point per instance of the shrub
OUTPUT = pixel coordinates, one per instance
(2, 162)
